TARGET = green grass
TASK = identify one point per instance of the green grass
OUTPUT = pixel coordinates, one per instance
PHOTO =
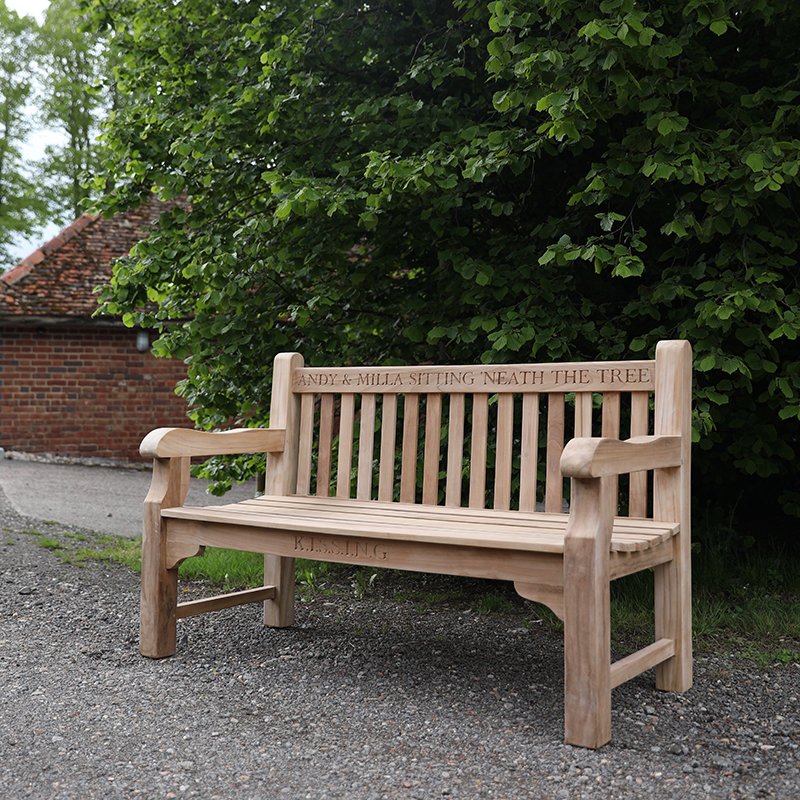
(228, 569)
(494, 603)
(50, 544)
(117, 550)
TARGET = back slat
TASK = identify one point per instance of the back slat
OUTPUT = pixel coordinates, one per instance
(345, 463)
(388, 436)
(505, 441)
(366, 447)
(583, 414)
(408, 462)
(455, 450)
(554, 486)
(326, 408)
(640, 413)
(477, 461)
(529, 452)
(305, 444)
(433, 427)
(612, 402)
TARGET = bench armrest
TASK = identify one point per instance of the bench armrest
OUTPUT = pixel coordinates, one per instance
(597, 457)
(177, 442)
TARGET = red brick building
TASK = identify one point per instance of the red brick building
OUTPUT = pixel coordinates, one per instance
(71, 384)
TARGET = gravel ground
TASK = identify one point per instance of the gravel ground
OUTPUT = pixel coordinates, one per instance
(367, 698)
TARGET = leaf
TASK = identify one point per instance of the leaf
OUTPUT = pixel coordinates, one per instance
(755, 162)
(284, 210)
(707, 364)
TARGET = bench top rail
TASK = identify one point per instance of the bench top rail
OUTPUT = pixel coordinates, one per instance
(563, 377)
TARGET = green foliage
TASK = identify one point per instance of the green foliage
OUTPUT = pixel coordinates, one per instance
(51, 76)
(21, 209)
(457, 181)
(72, 99)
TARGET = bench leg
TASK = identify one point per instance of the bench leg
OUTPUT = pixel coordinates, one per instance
(279, 572)
(587, 624)
(159, 597)
(673, 606)
(672, 500)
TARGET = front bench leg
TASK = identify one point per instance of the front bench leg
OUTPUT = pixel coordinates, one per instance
(159, 594)
(587, 623)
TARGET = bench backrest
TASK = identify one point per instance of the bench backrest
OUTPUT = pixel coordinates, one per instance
(469, 435)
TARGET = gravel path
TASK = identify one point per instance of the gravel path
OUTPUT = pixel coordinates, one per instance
(363, 699)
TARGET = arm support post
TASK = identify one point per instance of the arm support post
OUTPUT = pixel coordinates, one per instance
(587, 624)
(159, 594)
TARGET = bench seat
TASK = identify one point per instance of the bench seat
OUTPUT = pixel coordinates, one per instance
(482, 528)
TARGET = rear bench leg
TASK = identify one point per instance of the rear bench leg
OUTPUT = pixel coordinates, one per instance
(279, 572)
(672, 501)
(673, 617)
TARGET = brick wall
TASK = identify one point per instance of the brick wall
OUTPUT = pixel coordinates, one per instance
(83, 391)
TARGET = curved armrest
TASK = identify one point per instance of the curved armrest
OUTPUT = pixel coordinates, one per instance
(176, 442)
(597, 457)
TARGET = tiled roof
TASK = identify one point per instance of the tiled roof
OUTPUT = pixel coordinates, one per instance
(58, 279)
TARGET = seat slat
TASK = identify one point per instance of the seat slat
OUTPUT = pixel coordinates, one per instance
(460, 515)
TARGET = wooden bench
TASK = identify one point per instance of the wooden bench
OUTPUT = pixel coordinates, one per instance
(392, 467)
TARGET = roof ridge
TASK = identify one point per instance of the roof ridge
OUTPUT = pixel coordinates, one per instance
(25, 266)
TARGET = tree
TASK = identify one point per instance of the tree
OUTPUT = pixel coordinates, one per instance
(456, 181)
(74, 97)
(21, 210)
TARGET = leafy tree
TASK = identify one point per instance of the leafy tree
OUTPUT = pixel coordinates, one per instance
(21, 209)
(73, 99)
(453, 181)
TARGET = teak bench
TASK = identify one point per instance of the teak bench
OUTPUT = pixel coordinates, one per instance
(339, 437)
